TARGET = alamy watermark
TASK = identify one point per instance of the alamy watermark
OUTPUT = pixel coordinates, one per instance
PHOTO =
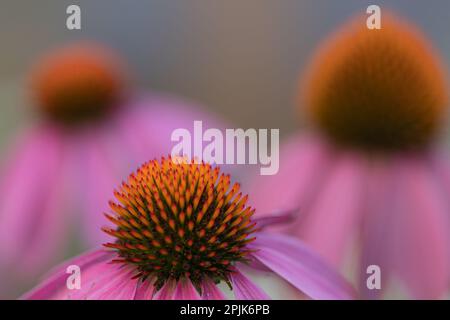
(234, 146)
(73, 282)
(73, 21)
(373, 22)
(373, 281)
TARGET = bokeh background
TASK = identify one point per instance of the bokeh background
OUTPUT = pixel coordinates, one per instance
(239, 58)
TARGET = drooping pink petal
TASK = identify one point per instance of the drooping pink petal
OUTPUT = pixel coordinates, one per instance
(284, 217)
(100, 280)
(100, 176)
(254, 263)
(145, 290)
(304, 162)
(245, 289)
(420, 240)
(440, 161)
(331, 221)
(185, 290)
(32, 226)
(381, 202)
(301, 267)
(211, 292)
(121, 286)
(167, 292)
(55, 283)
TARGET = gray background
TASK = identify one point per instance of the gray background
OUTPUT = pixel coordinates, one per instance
(241, 58)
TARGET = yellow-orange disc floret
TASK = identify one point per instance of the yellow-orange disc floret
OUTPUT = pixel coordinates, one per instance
(180, 219)
(77, 83)
(377, 89)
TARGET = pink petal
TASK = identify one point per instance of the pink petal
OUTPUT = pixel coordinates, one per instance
(211, 292)
(32, 226)
(421, 231)
(145, 290)
(118, 285)
(245, 289)
(56, 281)
(441, 164)
(303, 165)
(100, 178)
(100, 280)
(167, 292)
(279, 218)
(332, 220)
(185, 290)
(301, 267)
(377, 230)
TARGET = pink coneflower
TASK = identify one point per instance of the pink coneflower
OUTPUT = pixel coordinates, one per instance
(369, 178)
(180, 229)
(92, 130)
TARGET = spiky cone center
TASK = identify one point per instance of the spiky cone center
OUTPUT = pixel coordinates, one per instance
(180, 220)
(376, 89)
(77, 84)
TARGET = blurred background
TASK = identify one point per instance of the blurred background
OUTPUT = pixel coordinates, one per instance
(239, 58)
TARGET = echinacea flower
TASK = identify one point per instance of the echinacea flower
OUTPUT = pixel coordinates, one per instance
(92, 129)
(180, 228)
(370, 180)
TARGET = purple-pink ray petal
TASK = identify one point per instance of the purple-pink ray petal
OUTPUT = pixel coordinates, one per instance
(246, 289)
(210, 291)
(185, 290)
(300, 266)
(31, 221)
(145, 290)
(119, 285)
(376, 229)
(331, 221)
(100, 177)
(420, 240)
(167, 292)
(303, 165)
(277, 218)
(100, 280)
(54, 285)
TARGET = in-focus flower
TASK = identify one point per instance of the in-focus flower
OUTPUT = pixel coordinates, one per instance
(369, 177)
(180, 228)
(92, 130)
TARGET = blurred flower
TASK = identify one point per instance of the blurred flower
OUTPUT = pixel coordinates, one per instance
(93, 128)
(369, 177)
(180, 229)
